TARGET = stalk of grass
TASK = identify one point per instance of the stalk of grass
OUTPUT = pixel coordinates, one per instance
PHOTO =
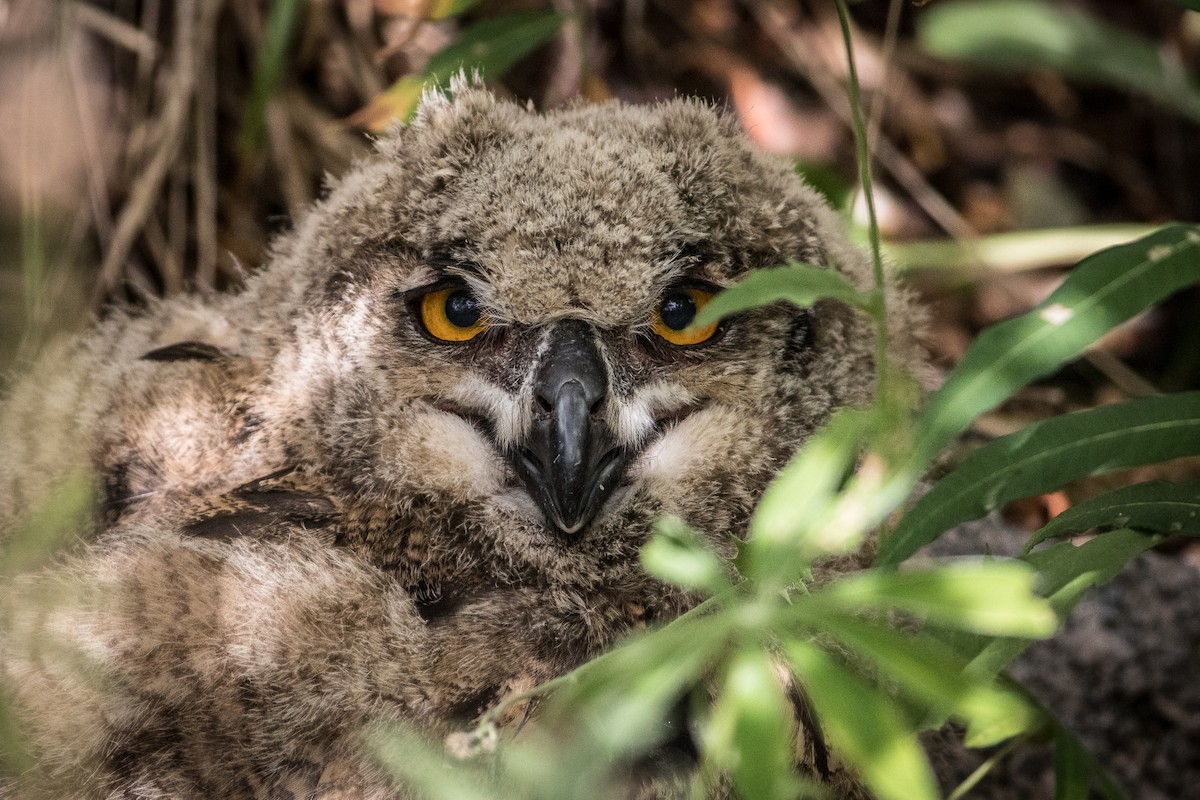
(863, 156)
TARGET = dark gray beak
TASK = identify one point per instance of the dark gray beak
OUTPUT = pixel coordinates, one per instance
(570, 462)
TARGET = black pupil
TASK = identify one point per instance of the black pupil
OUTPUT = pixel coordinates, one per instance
(677, 311)
(462, 309)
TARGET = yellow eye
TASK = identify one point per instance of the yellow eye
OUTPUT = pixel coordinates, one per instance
(675, 313)
(452, 314)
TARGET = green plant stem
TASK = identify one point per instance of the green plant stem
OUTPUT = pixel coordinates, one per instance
(987, 766)
(863, 155)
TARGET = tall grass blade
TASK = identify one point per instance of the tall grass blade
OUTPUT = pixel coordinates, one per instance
(487, 48)
(281, 30)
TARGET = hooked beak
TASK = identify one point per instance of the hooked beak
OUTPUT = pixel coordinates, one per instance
(570, 461)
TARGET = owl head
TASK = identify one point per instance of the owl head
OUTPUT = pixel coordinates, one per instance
(488, 324)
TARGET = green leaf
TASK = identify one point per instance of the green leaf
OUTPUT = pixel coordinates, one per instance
(928, 669)
(864, 725)
(801, 494)
(1101, 292)
(828, 182)
(1071, 774)
(623, 696)
(491, 46)
(488, 48)
(1076, 770)
(993, 597)
(1081, 767)
(1046, 455)
(1100, 559)
(1016, 251)
(992, 717)
(677, 554)
(1065, 572)
(1194, 5)
(799, 284)
(750, 731)
(1154, 506)
(442, 9)
(1028, 34)
(15, 757)
(281, 30)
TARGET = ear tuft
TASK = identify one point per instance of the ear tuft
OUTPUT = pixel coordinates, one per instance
(444, 108)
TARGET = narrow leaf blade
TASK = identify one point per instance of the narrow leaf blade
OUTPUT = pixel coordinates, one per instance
(268, 72)
(932, 671)
(677, 554)
(1071, 773)
(487, 48)
(1045, 456)
(1155, 506)
(864, 725)
(1033, 34)
(1100, 293)
(1065, 572)
(799, 284)
(750, 730)
(492, 46)
(992, 597)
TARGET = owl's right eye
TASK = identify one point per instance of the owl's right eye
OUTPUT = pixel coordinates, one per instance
(452, 314)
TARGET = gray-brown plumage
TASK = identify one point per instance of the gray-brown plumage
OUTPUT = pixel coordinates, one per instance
(317, 511)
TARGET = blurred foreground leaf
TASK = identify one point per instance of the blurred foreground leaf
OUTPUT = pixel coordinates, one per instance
(749, 734)
(800, 497)
(864, 725)
(677, 554)
(928, 669)
(1015, 251)
(991, 597)
(62, 519)
(1065, 572)
(419, 763)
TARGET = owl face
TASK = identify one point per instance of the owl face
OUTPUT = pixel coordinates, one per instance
(500, 329)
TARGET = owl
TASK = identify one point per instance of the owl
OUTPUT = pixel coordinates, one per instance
(405, 472)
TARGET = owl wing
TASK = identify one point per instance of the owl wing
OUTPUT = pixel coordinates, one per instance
(226, 650)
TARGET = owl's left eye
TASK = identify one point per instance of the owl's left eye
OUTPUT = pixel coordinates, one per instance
(675, 313)
(452, 314)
